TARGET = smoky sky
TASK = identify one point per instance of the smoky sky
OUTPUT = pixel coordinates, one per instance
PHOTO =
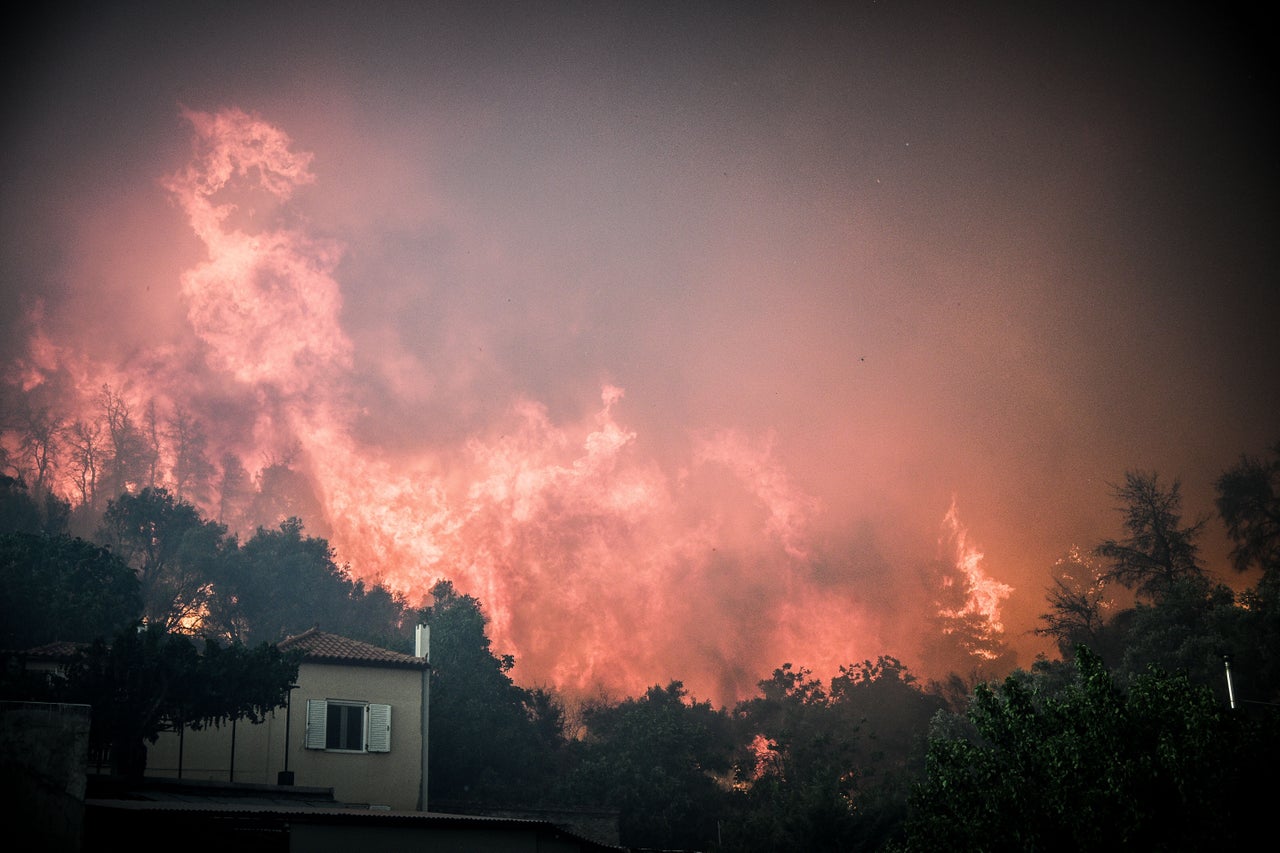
(685, 336)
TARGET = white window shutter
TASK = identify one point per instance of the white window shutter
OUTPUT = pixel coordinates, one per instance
(379, 728)
(317, 720)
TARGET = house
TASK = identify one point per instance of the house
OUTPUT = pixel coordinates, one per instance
(356, 723)
(342, 766)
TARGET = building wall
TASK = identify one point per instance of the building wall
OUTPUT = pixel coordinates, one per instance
(390, 779)
(44, 754)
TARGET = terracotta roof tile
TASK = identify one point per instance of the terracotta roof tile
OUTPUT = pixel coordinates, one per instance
(61, 650)
(319, 646)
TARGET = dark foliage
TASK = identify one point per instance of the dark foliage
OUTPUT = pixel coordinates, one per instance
(490, 740)
(663, 760)
(1249, 503)
(56, 588)
(1130, 743)
(828, 769)
(1159, 765)
(23, 512)
(145, 681)
(1158, 552)
(174, 551)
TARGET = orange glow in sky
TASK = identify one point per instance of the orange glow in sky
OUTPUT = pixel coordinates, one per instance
(691, 342)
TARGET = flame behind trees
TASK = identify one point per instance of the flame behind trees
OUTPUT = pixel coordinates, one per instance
(192, 471)
(970, 634)
(802, 764)
(1130, 735)
(557, 521)
(173, 550)
(130, 460)
(1179, 617)
(1078, 603)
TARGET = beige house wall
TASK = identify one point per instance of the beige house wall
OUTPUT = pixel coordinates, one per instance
(390, 779)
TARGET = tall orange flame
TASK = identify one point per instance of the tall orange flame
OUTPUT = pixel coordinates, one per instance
(597, 565)
(982, 593)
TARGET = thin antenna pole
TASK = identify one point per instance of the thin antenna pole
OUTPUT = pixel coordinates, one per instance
(1231, 693)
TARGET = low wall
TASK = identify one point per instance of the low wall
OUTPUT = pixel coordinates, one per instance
(44, 758)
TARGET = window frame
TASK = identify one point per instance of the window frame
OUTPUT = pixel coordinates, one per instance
(375, 726)
(338, 726)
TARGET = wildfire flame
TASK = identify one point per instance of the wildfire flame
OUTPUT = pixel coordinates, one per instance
(982, 593)
(597, 565)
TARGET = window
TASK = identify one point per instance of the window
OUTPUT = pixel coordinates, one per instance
(345, 729)
(343, 726)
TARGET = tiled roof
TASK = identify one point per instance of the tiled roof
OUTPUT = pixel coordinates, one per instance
(331, 648)
(59, 651)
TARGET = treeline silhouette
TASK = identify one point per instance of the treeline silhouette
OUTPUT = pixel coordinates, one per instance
(74, 463)
(1130, 735)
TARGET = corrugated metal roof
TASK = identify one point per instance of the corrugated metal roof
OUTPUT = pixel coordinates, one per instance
(325, 814)
(330, 648)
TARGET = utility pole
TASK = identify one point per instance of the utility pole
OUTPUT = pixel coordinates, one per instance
(422, 649)
(284, 777)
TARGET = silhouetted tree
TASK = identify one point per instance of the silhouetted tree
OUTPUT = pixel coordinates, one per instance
(377, 615)
(1249, 503)
(1158, 552)
(279, 583)
(88, 454)
(1187, 631)
(1184, 622)
(129, 454)
(828, 770)
(489, 739)
(661, 761)
(38, 428)
(795, 768)
(284, 493)
(56, 588)
(175, 552)
(235, 494)
(151, 443)
(192, 470)
(1078, 604)
(18, 512)
(145, 681)
(883, 703)
(1160, 765)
